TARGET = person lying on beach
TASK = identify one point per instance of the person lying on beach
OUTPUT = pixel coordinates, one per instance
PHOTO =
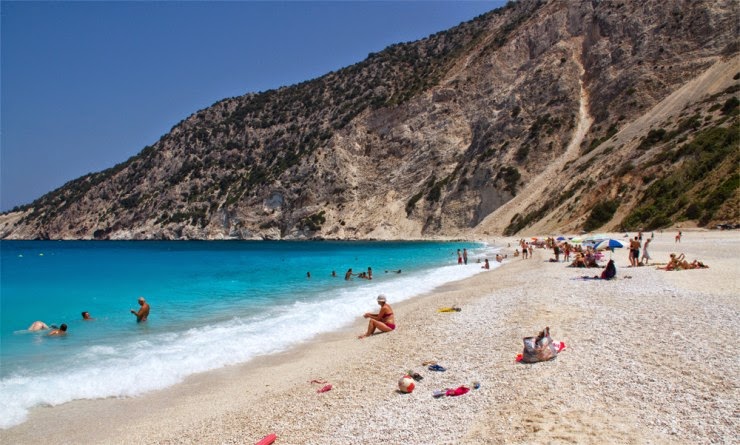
(143, 312)
(58, 332)
(383, 321)
(679, 263)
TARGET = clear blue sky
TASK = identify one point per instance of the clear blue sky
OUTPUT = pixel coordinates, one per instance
(86, 85)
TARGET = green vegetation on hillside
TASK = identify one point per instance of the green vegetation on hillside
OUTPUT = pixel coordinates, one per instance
(688, 191)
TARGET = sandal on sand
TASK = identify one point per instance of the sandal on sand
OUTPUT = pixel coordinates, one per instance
(438, 393)
(436, 367)
(429, 362)
(324, 389)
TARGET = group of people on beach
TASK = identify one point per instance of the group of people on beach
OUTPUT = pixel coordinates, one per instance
(141, 315)
(527, 249)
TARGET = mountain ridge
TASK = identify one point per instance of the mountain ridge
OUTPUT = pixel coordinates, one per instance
(486, 128)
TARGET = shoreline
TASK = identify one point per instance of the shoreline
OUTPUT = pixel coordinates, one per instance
(645, 363)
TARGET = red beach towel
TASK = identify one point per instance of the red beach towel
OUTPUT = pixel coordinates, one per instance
(457, 391)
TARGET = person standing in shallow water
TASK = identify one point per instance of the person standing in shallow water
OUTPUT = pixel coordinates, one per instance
(465, 256)
(143, 313)
(459, 257)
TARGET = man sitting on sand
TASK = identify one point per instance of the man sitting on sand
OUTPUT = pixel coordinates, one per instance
(383, 321)
(143, 312)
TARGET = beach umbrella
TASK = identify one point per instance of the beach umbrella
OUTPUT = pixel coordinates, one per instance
(610, 244)
(576, 240)
(561, 238)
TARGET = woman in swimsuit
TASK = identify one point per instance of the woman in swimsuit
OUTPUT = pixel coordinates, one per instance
(384, 321)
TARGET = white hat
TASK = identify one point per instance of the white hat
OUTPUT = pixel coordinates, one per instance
(381, 297)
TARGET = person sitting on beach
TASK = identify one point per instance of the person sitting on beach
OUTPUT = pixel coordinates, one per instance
(578, 261)
(486, 265)
(609, 272)
(383, 321)
(86, 316)
(58, 332)
(516, 253)
(143, 312)
(38, 326)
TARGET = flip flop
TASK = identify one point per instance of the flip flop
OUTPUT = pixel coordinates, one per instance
(324, 389)
(436, 367)
(438, 393)
(429, 362)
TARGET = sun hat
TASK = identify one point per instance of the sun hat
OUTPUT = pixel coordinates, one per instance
(381, 297)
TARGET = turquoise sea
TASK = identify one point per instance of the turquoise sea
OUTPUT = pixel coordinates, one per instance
(214, 304)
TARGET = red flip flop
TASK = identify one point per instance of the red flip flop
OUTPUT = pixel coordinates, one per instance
(324, 389)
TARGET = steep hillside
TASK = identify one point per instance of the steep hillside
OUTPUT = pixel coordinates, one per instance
(538, 117)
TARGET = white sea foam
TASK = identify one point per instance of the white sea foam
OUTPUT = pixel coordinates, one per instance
(164, 359)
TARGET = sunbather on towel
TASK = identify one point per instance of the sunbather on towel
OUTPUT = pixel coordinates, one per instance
(678, 262)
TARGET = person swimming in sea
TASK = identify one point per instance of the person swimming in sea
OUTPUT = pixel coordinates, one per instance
(58, 332)
(38, 326)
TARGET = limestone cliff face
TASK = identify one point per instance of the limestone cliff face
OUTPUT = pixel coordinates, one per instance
(497, 125)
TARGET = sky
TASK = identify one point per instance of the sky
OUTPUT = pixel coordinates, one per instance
(85, 85)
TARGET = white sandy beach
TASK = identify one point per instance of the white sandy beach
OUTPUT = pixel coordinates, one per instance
(649, 359)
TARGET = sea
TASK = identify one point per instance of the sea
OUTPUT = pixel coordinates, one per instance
(213, 304)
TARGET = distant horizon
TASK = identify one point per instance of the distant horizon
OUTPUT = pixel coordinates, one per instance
(87, 85)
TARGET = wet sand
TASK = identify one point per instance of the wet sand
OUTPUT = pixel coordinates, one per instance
(649, 359)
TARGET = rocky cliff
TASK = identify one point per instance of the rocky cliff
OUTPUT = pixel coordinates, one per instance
(541, 116)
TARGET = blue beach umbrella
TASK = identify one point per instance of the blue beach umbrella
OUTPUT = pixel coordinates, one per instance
(610, 244)
(561, 238)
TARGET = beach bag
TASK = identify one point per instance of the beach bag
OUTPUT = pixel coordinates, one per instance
(540, 348)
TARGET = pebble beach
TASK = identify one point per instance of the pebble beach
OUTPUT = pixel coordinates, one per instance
(650, 358)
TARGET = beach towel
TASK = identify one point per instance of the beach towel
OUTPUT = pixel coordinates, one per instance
(540, 349)
(457, 391)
